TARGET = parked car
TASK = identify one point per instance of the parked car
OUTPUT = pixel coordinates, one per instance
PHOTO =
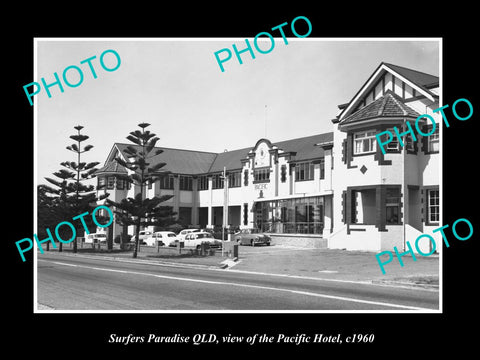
(195, 239)
(95, 238)
(142, 235)
(165, 238)
(251, 237)
(181, 235)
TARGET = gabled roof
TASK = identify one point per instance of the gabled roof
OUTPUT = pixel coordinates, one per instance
(112, 168)
(388, 106)
(179, 161)
(229, 159)
(304, 147)
(418, 80)
(417, 77)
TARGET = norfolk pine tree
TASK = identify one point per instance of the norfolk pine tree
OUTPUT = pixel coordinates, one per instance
(74, 197)
(139, 211)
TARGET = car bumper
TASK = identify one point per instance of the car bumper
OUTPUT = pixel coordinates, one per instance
(265, 241)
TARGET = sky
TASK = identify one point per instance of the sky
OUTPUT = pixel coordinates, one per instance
(177, 86)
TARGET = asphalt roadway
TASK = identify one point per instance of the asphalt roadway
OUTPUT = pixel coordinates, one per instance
(93, 283)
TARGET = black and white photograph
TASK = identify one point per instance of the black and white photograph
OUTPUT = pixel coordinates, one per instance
(213, 180)
(261, 187)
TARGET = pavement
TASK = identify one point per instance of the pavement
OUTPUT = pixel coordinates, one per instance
(282, 260)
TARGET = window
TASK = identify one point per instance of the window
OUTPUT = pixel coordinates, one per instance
(261, 175)
(301, 215)
(166, 182)
(202, 182)
(434, 141)
(245, 177)
(110, 182)
(393, 146)
(217, 181)
(185, 183)
(304, 171)
(364, 142)
(322, 169)
(235, 179)
(283, 176)
(433, 206)
(120, 184)
(410, 144)
(101, 183)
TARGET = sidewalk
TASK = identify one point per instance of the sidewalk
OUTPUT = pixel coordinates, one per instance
(338, 265)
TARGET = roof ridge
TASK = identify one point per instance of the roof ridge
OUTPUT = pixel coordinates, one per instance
(170, 148)
(384, 102)
(410, 69)
(397, 101)
(213, 162)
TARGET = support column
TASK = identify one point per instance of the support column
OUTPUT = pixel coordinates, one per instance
(380, 197)
(328, 164)
(210, 209)
(348, 209)
(176, 195)
(327, 215)
(195, 202)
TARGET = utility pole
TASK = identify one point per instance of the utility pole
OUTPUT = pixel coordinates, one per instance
(265, 121)
(225, 206)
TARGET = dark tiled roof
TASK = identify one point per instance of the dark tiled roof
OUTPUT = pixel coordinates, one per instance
(180, 161)
(305, 147)
(229, 159)
(112, 167)
(419, 78)
(389, 105)
(190, 162)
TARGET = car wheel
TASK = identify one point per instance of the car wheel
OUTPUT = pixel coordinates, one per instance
(198, 247)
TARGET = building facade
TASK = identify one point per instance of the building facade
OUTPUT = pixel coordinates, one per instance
(335, 190)
(383, 200)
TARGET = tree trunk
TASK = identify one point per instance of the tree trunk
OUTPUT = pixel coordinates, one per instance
(109, 239)
(137, 238)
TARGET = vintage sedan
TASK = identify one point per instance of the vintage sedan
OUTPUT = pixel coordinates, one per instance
(161, 238)
(251, 237)
(196, 238)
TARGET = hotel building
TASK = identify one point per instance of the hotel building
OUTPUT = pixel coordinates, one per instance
(330, 190)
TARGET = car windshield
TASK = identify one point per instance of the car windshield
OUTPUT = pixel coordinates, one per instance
(101, 235)
(250, 231)
(171, 235)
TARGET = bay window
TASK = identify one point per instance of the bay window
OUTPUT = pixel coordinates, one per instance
(364, 142)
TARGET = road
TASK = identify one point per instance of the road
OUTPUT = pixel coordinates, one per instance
(84, 283)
